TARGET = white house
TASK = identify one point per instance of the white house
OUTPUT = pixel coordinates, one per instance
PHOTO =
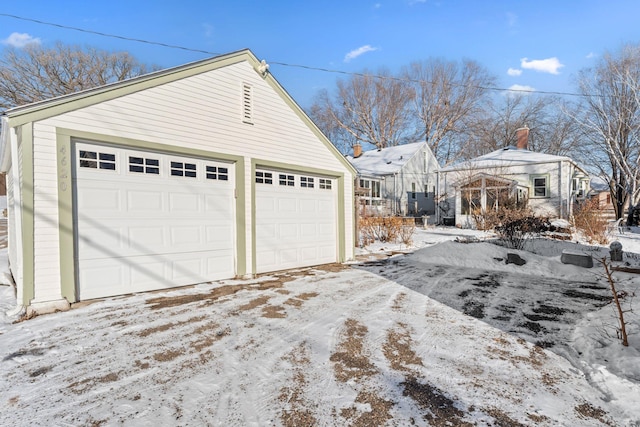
(201, 172)
(398, 180)
(549, 184)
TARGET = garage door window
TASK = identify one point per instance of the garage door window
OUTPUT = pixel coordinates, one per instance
(264, 177)
(215, 172)
(144, 165)
(287, 180)
(325, 184)
(96, 160)
(306, 182)
(183, 169)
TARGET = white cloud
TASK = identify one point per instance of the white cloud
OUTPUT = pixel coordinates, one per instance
(359, 51)
(377, 5)
(590, 55)
(520, 89)
(20, 40)
(549, 65)
(514, 71)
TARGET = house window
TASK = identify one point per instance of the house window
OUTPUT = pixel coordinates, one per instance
(247, 104)
(183, 169)
(374, 192)
(497, 197)
(471, 201)
(375, 189)
(540, 186)
(215, 172)
(325, 184)
(144, 165)
(96, 160)
(413, 190)
(286, 180)
(264, 177)
(306, 182)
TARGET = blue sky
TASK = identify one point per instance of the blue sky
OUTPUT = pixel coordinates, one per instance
(533, 44)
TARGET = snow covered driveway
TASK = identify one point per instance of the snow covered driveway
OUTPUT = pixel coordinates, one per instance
(329, 346)
(543, 310)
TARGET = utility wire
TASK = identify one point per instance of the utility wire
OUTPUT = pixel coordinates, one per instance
(284, 64)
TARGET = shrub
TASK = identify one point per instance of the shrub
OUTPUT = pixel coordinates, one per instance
(406, 231)
(588, 218)
(386, 229)
(517, 226)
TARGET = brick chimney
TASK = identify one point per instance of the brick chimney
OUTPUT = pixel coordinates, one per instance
(522, 136)
(357, 150)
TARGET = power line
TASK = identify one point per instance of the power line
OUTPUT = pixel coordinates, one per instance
(284, 64)
(115, 36)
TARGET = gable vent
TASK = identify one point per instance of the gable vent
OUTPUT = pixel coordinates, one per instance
(247, 104)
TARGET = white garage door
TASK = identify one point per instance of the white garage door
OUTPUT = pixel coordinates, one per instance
(148, 220)
(296, 217)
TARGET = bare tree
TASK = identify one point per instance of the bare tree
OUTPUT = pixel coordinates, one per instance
(35, 72)
(552, 129)
(611, 122)
(366, 108)
(449, 95)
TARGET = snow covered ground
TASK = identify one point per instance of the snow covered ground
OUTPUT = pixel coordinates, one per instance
(371, 343)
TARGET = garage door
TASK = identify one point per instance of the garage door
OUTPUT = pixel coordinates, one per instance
(148, 220)
(296, 217)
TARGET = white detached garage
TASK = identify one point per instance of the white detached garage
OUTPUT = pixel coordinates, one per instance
(202, 172)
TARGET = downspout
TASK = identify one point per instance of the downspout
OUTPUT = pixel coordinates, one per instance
(16, 270)
(395, 193)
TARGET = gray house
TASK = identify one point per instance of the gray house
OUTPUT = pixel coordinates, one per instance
(398, 180)
(549, 184)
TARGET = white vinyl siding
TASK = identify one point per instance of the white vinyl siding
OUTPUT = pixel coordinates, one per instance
(45, 226)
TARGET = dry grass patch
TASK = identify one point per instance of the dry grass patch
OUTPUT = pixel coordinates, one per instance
(298, 300)
(502, 419)
(296, 411)
(441, 409)
(350, 360)
(587, 410)
(167, 356)
(257, 302)
(217, 293)
(167, 326)
(398, 349)
(86, 384)
(274, 312)
(377, 416)
(141, 365)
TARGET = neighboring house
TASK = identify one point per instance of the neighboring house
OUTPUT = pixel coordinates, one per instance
(398, 180)
(201, 172)
(600, 191)
(548, 184)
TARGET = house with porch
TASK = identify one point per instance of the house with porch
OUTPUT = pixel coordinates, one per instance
(398, 180)
(549, 184)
